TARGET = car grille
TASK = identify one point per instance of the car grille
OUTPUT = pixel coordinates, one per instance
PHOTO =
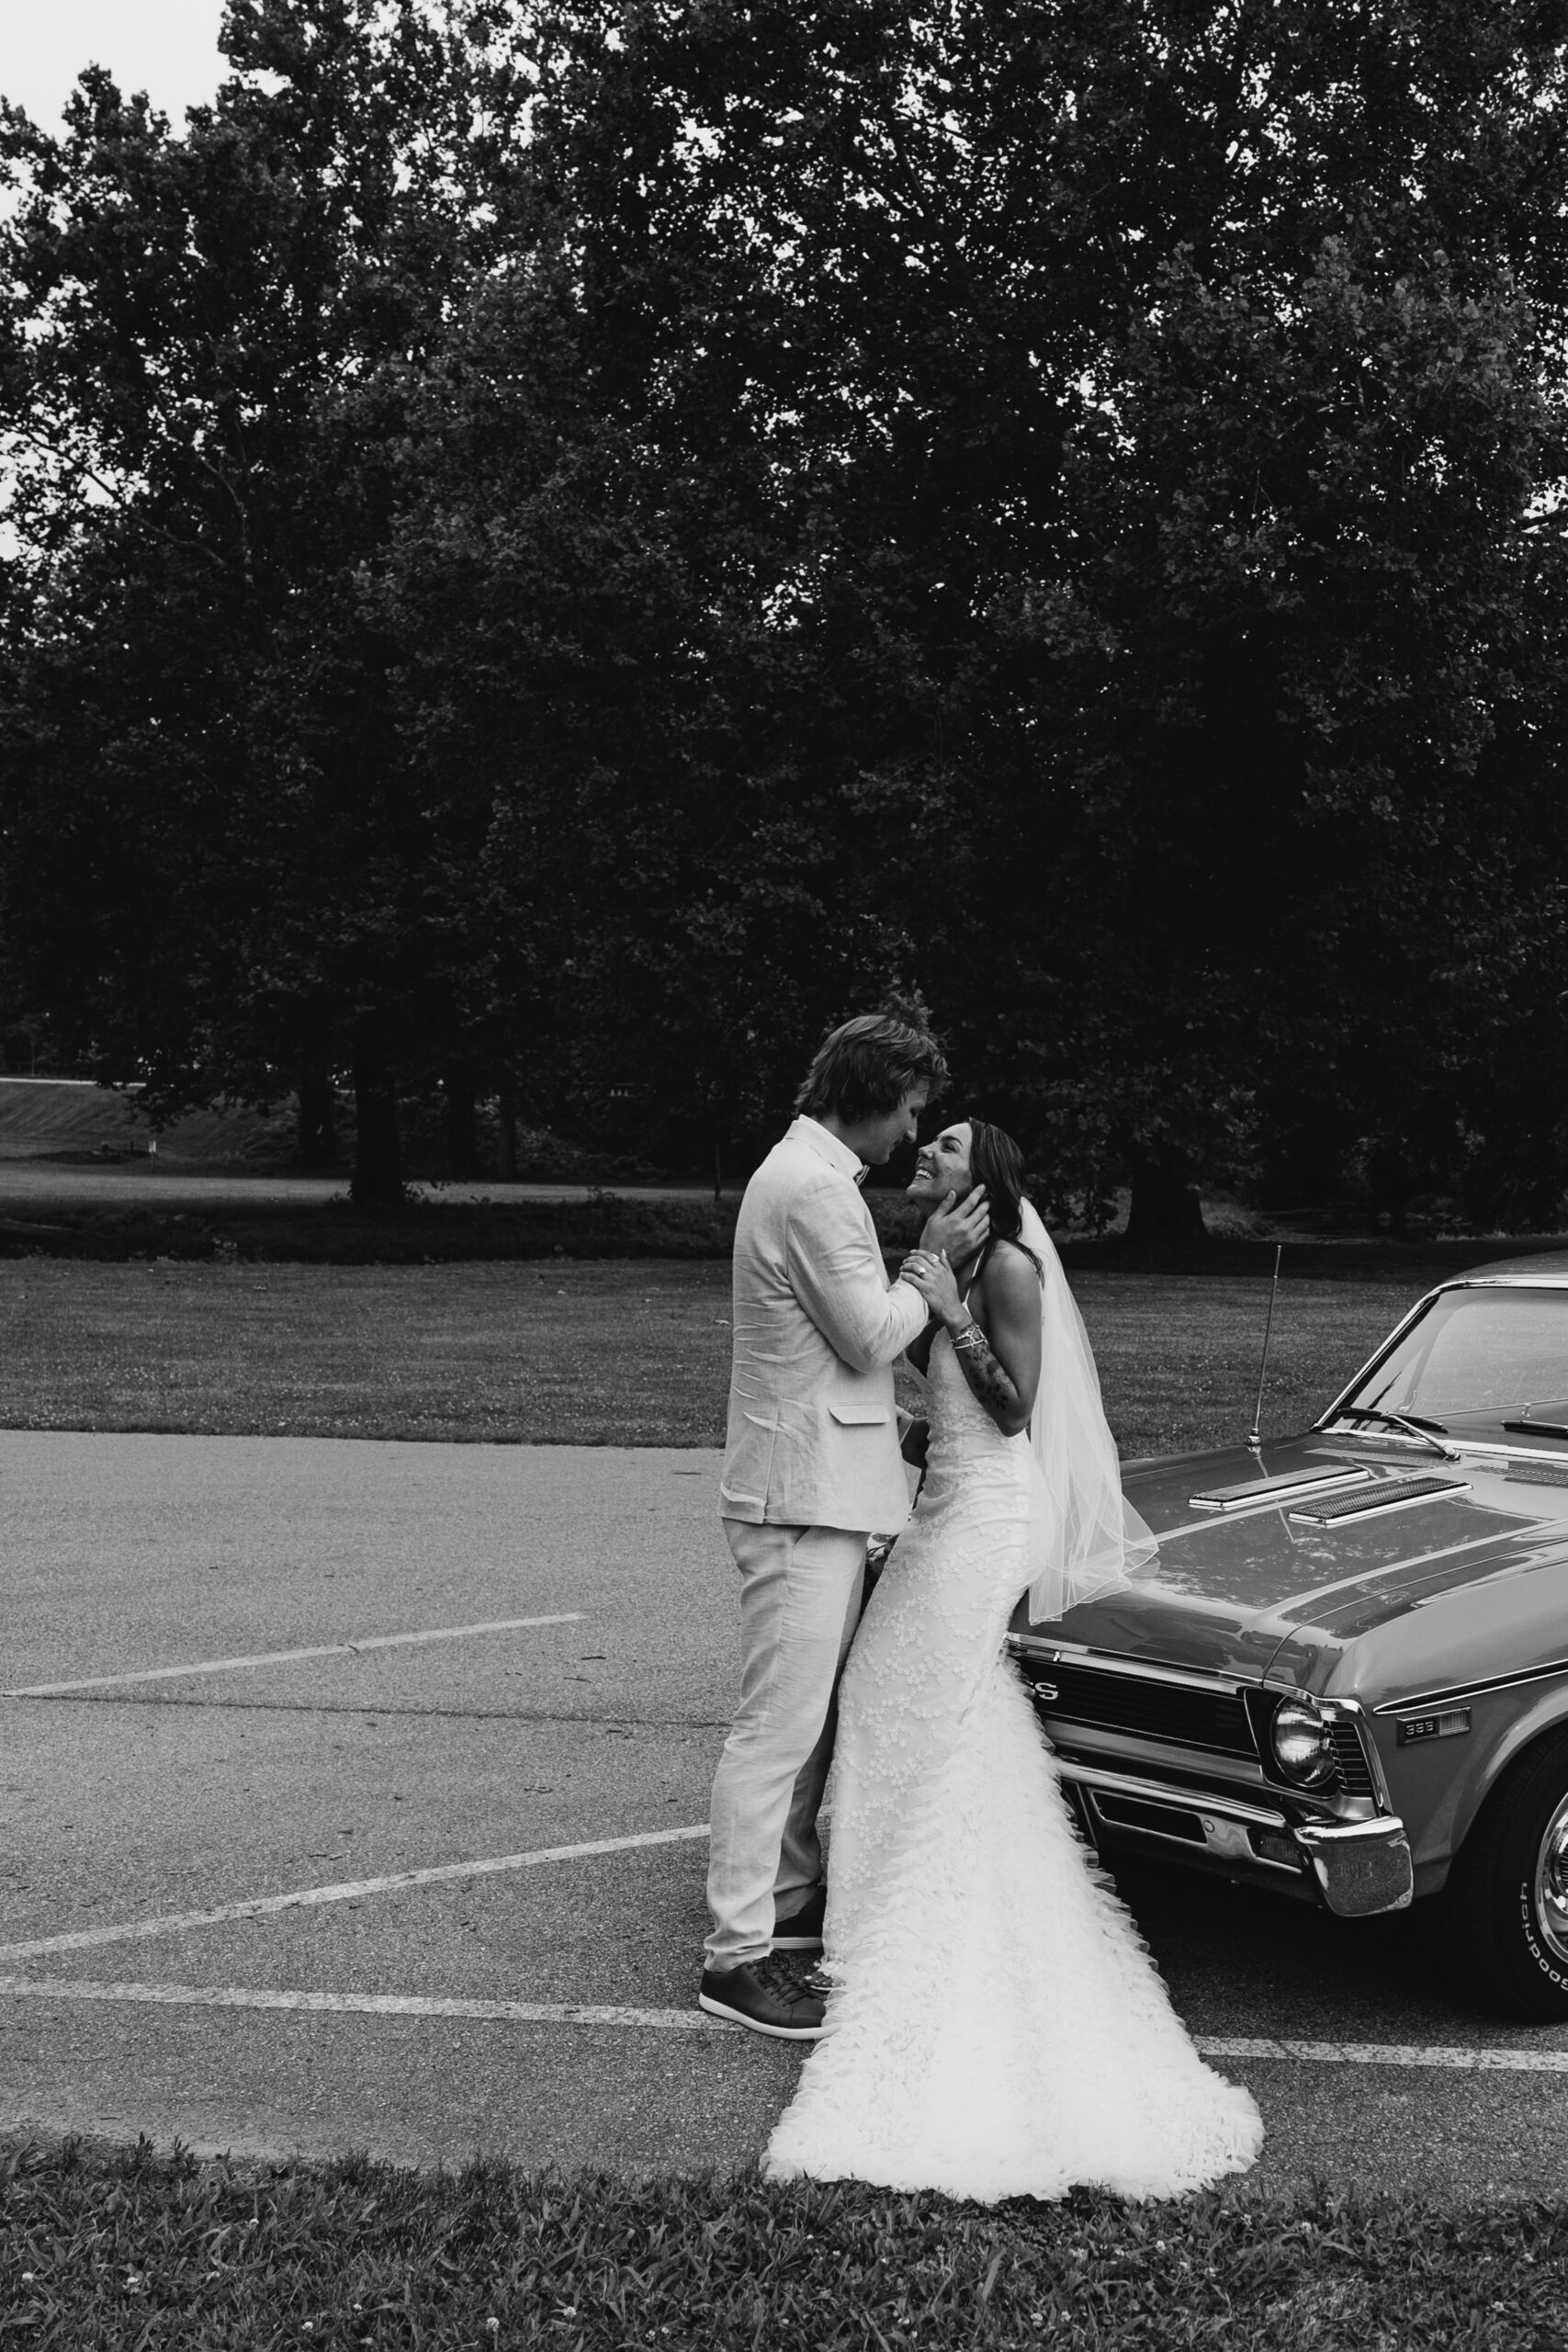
(1150, 1710)
(1351, 1758)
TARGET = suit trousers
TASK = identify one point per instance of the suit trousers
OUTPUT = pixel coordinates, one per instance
(800, 1596)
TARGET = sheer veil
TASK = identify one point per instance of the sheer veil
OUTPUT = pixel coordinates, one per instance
(1087, 1539)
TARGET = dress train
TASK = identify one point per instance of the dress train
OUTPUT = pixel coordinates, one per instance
(996, 2027)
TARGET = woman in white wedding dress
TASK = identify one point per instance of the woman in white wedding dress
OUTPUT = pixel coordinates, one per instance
(995, 2026)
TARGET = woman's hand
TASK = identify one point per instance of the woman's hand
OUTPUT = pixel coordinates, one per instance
(932, 1277)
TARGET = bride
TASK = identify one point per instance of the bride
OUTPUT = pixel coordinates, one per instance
(995, 2026)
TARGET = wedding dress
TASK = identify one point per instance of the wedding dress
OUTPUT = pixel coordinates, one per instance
(996, 2027)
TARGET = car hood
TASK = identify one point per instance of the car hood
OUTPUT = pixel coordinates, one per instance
(1255, 1591)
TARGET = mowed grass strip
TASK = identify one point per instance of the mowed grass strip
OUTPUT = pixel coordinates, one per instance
(138, 2249)
(590, 1352)
(583, 1351)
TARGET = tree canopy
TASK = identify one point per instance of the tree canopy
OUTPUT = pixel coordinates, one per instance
(559, 550)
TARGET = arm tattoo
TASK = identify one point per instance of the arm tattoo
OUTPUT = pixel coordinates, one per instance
(987, 1380)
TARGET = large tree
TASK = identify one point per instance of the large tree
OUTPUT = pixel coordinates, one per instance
(590, 658)
(1157, 407)
(614, 537)
(220, 864)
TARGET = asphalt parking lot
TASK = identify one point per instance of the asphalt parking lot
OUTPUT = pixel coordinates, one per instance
(352, 1796)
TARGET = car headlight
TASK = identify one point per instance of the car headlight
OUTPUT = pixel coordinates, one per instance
(1300, 1738)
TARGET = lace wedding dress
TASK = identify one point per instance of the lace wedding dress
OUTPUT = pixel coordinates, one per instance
(997, 2028)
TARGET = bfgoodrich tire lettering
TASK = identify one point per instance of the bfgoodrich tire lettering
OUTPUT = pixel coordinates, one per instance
(1508, 1894)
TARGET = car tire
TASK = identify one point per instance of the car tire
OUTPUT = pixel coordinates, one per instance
(1507, 1897)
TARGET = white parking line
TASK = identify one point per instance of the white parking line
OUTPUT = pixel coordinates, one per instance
(345, 1890)
(1392, 2053)
(375, 2004)
(290, 1658)
(412, 2005)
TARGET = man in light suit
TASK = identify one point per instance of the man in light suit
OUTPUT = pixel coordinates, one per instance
(812, 1466)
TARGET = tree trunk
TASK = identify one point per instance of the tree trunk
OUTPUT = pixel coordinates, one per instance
(1166, 1205)
(462, 1124)
(377, 1180)
(315, 1118)
(506, 1114)
(1390, 1184)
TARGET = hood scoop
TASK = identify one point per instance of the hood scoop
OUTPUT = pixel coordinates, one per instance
(1289, 1484)
(1537, 1473)
(1381, 1494)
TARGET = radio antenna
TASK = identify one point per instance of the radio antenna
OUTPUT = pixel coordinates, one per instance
(1254, 1435)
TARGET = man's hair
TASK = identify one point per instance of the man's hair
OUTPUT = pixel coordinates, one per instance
(867, 1066)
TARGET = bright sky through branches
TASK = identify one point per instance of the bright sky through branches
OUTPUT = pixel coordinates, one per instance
(168, 48)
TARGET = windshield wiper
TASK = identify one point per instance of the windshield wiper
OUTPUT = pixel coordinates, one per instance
(1528, 1428)
(1405, 1422)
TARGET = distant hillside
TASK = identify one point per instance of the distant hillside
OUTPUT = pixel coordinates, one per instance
(56, 1118)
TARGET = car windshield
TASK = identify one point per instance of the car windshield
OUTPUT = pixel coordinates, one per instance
(1482, 1363)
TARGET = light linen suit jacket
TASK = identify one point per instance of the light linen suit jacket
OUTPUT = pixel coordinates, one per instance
(813, 1437)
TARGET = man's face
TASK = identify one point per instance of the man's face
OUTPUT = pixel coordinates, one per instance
(884, 1134)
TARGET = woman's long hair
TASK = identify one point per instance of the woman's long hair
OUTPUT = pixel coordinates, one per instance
(995, 1161)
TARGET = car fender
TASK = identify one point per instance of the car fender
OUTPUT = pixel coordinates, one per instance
(1545, 1715)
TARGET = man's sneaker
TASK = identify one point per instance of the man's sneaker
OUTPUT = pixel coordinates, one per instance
(770, 1995)
(802, 1931)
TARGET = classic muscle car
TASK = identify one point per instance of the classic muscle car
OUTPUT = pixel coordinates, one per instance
(1346, 1676)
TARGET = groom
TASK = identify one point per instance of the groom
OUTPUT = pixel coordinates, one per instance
(811, 1465)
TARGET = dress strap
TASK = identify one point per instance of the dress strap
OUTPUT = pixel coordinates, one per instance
(975, 1272)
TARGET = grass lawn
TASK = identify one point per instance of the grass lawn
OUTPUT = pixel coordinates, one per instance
(136, 2250)
(590, 1352)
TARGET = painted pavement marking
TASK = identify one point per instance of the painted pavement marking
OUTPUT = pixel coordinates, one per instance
(376, 2004)
(345, 1890)
(290, 1658)
(694, 2021)
(1391, 2054)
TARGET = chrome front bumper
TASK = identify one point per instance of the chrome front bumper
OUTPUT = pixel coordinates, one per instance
(1359, 1866)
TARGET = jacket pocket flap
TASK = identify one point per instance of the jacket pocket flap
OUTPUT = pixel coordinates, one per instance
(856, 1416)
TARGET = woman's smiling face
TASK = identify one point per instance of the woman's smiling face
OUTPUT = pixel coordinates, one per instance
(942, 1166)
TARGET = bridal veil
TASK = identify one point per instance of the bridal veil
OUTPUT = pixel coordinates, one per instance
(1087, 1540)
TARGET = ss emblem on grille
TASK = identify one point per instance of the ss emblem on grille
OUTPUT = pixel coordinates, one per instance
(1045, 1690)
